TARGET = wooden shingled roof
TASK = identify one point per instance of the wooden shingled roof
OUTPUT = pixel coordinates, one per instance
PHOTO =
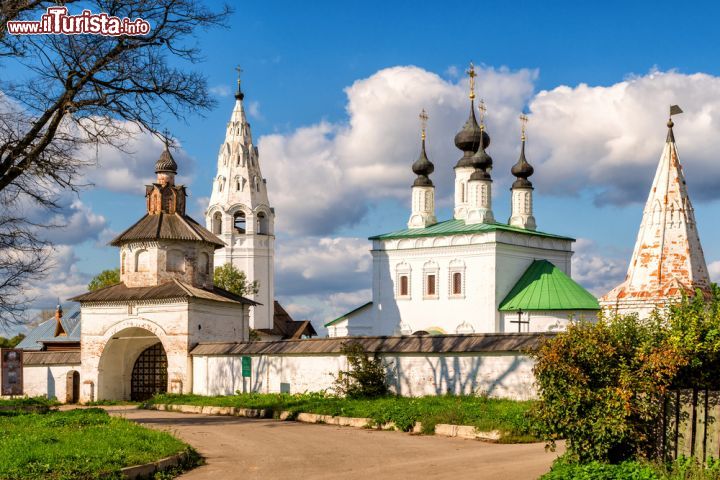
(51, 358)
(462, 344)
(285, 327)
(171, 289)
(167, 226)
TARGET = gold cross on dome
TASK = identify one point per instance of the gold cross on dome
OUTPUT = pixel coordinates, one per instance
(167, 139)
(471, 73)
(482, 109)
(239, 72)
(523, 124)
(423, 121)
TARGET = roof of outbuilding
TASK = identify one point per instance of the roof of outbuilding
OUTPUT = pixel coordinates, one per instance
(490, 342)
(167, 226)
(545, 287)
(284, 326)
(51, 358)
(45, 332)
(459, 227)
(171, 289)
(332, 322)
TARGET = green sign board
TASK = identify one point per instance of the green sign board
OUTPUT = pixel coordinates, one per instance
(246, 366)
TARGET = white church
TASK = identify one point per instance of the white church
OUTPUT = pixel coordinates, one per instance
(470, 273)
(455, 306)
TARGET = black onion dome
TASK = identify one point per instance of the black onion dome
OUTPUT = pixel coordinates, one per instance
(481, 160)
(522, 170)
(468, 139)
(423, 167)
(166, 163)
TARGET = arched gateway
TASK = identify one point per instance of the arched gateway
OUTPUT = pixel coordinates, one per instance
(149, 374)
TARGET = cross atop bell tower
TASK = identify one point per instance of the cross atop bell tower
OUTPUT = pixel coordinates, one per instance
(240, 214)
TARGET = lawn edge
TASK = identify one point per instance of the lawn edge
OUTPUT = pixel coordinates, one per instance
(148, 469)
(447, 430)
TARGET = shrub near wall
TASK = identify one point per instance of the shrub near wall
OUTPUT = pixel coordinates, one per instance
(602, 385)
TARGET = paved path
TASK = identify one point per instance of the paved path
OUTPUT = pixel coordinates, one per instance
(267, 449)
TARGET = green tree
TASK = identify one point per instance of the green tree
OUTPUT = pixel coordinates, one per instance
(106, 278)
(234, 281)
(11, 342)
(365, 377)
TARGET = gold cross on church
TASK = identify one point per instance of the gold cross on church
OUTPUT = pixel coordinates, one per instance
(482, 109)
(523, 124)
(471, 73)
(423, 121)
(239, 70)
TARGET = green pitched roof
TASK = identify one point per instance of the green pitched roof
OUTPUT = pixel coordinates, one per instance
(457, 227)
(332, 322)
(543, 286)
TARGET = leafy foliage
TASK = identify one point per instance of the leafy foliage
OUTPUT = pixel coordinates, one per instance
(12, 341)
(601, 385)
(365, 378)
(234, 281)
(106, 278)
(681, 469)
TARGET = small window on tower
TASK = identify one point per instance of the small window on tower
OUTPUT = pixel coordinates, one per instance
(237, 184)
(239, 222)
(262, 224)
(217, 223)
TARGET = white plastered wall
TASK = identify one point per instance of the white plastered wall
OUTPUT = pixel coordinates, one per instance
(47, 380)
(497, 374)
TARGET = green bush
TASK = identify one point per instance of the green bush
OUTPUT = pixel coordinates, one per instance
(680, 469)
(601, 384)
(365, 378)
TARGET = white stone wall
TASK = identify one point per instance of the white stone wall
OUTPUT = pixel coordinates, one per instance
(499, 375)
(545, 321)
(47, 380)
(491, 264)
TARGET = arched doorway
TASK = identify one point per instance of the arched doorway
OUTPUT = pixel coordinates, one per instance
(149, 374)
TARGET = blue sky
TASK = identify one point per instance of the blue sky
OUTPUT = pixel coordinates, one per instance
(315, 68)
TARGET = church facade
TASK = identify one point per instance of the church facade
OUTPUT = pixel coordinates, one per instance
(471, 273)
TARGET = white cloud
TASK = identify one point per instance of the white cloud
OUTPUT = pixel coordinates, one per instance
(605, 140)
(130, 169)
(254, 110)
(608, 139)
(336, 169)
(220, 90)
(595, 269)
(321, 308)
(714, 270)
(62, 281)
(315, 265)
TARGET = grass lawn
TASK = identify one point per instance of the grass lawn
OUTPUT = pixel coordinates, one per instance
(486, 414)
(77, 444)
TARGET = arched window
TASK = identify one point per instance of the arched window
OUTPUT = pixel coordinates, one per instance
(122, 263)
(262, 224)
(204, 263)
(404, 286)
(221, 181)
(239, 222)
(175, 261)
(457, 283)
(142, 261)
(217, 223)
(238, 186)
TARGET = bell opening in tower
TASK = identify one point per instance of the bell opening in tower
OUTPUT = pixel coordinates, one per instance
(239, 222)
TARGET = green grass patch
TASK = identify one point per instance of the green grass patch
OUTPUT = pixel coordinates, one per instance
(78, 444)
(508, 416)
(681, 469)
(28, 402)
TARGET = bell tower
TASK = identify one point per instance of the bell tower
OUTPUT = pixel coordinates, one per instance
(239, 213)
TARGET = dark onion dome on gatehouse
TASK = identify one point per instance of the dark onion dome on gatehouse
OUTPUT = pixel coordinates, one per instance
(423, 167)
(522, 170)
(166, 162)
